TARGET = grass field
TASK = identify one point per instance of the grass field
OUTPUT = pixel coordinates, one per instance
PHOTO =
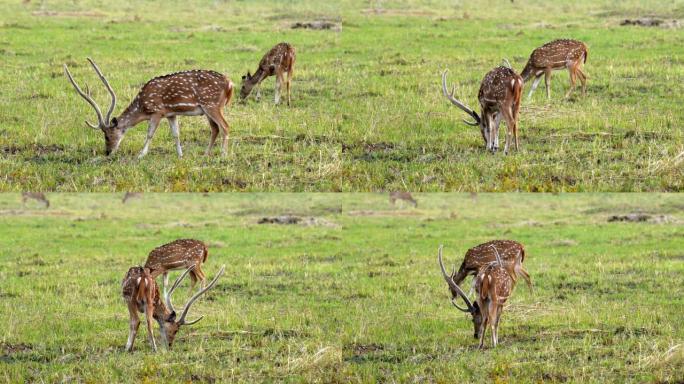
(356, 298)
(367, 111)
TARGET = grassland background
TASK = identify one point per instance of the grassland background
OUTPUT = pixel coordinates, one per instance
(359, 301)
(367, 112)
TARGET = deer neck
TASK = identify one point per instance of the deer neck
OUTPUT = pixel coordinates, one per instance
(526, 72)
(132, 115)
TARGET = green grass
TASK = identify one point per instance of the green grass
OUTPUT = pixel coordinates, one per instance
(367, 111)
(361, 300)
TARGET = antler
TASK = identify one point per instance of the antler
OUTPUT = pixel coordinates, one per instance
(457, 102)
(86, 95)
(498, 258)
(454, 286)
(181, 320)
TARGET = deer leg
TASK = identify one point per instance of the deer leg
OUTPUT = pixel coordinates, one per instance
(572, 81)
(175, 131)
(483, 329)
(200, 275)
(494, 323)
(278, 84)
(491, 129)
(520, 270)
(497, 124)
(258, 92)
(547, 82)
(583, 79)
(217, 117)
(214, 133)
(289, 83)
(133, 324)
(154, 122)
(535, 83)
(149, 310)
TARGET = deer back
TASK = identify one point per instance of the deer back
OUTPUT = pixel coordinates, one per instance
(281, 56)
(139, 287)
(494, 283)
(499, 84)
(557, 53)
(178, 254)
(477, 257)
(180, 92)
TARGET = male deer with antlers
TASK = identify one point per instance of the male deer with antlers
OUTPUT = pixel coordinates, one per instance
(511, 253)
(278, 61)
(178, 254)
(493, 285)
(556, 55)
(188, 93)
(141, 294)
(499, 96)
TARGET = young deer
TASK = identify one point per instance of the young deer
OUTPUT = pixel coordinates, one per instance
(279, 61)
(499, 96)
(493, 285)
(405, 196)
(178, 254)
(141, 294)
(188, 93)
(555, 55)
(512, 255)
(38, 196)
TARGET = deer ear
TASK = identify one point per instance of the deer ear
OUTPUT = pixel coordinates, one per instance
(172, 317)
(114, 122)
(272, 68)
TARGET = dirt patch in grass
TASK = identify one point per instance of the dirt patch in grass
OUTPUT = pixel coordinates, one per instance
(9, 349)
(651, 22)
(305, 221)
(68, 14)
(318, 25)
(642, 218)
(362, 349)
(384, 213)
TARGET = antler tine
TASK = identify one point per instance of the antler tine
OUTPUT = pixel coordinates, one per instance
(87, 98)
(457, 102)
(174, 286)
(196, 296)
(109, 89)
(454, 286)
(498, 257)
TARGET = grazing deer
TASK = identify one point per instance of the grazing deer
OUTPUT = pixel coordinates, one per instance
(555, 55)
(178, 254)
(131, 195)
(187, 93)
(279, 61)
(38, 196)
(494, 286)
(499, 96)
(512, 255)
(141, 294)
(405, 196)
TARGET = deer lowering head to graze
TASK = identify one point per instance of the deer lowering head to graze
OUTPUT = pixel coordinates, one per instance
(279, 61)
(141, 294)
(38, 196)
(178, 254)
(493, 285)
(499, 97)
(404, 196)
(555, 55)
(512, 254)
(131, 195)
(188, 93)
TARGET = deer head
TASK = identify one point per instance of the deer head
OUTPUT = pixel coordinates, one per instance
(170, 323)
(108, 125)
(473, 309)
(247, 84)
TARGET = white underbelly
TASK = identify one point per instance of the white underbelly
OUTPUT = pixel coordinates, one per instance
(197, 111)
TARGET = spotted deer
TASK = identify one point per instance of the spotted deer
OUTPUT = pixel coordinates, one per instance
(404, 196)
(178, 254)
(279, 61)
(37, 196)
(512, 254)
(187, 93)
(493, 285)
(557, 55)
(141, 294)
(499, 96)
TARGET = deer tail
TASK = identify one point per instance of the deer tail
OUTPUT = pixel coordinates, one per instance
(205, 254)
(229, 91)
